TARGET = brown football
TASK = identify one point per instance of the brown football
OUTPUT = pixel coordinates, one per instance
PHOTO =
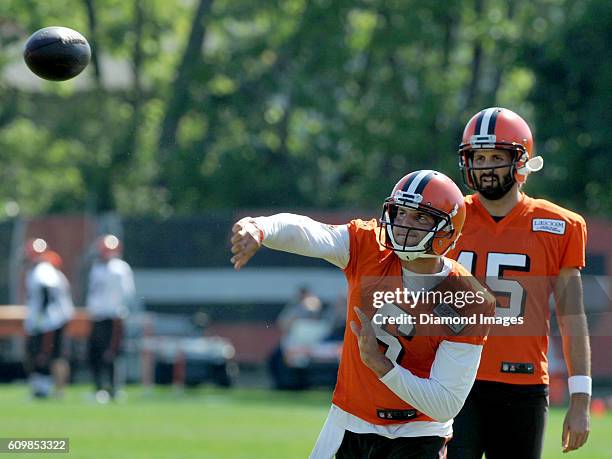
(57, 53)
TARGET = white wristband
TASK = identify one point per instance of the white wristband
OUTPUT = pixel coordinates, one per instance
(265, 227)
(579, 384)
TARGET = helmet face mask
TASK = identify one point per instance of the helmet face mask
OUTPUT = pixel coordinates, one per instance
(411, 240)
(489, 180)
(422, 221)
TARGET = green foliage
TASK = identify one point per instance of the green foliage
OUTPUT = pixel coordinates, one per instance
(294, 103)
(39, 172)
(572, 99)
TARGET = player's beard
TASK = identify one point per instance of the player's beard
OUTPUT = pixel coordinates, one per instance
(497, 189)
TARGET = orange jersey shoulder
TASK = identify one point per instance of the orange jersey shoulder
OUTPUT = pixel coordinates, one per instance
(549, 235)
(548, 209)
(366, 251)
(534, 207)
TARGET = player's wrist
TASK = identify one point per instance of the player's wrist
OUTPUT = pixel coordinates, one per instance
(580, 401)
(260, 232)
(380, 365)
(580, 384)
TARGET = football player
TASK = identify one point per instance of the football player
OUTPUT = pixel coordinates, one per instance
(397, 392)
(111, 290)
(528, 249)
(50, 308)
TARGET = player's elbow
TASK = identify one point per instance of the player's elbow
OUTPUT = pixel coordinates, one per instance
(444, 415)
(448, 408)
(444, 419)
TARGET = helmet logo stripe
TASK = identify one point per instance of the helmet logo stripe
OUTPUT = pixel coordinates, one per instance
(492, 121)
(486, 119)
(415, 185)
(479, 122)
(424, 182)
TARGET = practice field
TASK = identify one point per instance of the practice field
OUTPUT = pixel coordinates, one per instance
(206, 423)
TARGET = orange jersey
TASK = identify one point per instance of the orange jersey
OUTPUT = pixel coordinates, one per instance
(533, 242)
(358, 390)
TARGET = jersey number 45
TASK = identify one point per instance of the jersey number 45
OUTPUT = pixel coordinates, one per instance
(497, 264)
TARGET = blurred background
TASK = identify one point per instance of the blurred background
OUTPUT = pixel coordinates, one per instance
(194, 113)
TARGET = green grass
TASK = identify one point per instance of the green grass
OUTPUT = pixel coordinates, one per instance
(206, 423)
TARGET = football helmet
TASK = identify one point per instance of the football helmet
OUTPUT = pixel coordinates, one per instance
(34, 248)
(433, 194)
(500, 129)
(109, 246)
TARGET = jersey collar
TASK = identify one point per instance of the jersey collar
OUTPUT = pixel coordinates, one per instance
(516, 210)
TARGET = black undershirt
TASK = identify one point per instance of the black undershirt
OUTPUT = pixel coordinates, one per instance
(497, 219)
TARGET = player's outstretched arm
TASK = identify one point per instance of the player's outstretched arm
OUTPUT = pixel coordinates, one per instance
(290, 233)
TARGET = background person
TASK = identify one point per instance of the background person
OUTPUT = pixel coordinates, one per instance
(49, 309)
(110, 291)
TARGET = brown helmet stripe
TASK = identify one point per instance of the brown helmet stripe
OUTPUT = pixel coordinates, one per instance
(492, 122)
(479, 122)
(485, 125)
(416, 184)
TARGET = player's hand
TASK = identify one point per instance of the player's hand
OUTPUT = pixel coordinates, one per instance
(369, 351)
(576, 425)
(246, 240)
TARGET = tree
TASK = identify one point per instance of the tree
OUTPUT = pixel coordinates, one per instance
(292, 103)
(572, 99)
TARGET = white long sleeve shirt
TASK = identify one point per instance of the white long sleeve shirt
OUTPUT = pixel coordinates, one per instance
(453, 372)
(111, 288)
(49, 300)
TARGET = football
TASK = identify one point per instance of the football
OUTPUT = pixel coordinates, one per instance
(57, 53)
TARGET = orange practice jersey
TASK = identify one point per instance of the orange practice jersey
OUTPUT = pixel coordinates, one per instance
(520, 258)
(358, 390)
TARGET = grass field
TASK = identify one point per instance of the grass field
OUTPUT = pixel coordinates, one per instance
(206, 423)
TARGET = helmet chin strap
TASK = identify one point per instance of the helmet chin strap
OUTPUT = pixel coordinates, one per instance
(428, 255)
(409, 256)
(415, 251)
